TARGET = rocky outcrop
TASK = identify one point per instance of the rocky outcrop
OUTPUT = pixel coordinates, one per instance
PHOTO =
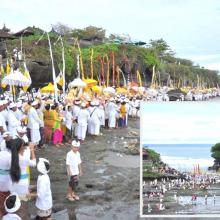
(40, 72)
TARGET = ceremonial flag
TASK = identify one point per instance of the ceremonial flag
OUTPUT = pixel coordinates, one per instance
(59, 79)
(8, 68)
(27, 75)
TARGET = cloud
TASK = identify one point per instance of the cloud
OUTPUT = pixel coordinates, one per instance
(175, 125)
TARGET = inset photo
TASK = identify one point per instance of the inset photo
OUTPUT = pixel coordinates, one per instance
(180, 160)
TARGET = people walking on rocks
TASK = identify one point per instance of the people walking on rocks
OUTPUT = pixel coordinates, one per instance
(74, 170)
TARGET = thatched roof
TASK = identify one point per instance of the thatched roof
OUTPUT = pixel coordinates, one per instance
(28, 31)
(5, 35)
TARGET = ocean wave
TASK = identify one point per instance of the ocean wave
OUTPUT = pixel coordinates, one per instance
(187, 163)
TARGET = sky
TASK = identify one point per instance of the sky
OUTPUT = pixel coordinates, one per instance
(190, 27)
(161, 123)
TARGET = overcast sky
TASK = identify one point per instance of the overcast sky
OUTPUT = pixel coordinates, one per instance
(190, 27)
(180, 123)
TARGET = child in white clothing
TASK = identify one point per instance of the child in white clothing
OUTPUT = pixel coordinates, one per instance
(44, 196)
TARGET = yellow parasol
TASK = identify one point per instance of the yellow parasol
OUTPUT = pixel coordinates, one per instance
(97, 89)
(90, 82)
(48, 89)
(121, 90)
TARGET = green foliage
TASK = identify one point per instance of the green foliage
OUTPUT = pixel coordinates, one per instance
(216, 151)
(153, 155)
(89, 32)
(161, 47)
(149, 174)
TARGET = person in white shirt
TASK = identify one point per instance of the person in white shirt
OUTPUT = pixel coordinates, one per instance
(21, 133)
(40, 108)
(75, 112)
(74, 169)
(13, 122)
(4, 113)
(12, 205)
(2, 117)
(69, 123)
(6, 137)
(95, 118)
(111, 109)
(44, 200)
(83, 118)
(19, 114)
(34, 123)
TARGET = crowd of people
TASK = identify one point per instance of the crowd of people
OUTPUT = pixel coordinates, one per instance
(156, 190)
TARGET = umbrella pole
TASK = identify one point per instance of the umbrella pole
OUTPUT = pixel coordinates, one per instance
(13, 92)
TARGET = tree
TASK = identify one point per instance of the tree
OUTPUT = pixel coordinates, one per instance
(89, 33)
(161, 47)
(216, 152)
(61, 29)
(92, 31)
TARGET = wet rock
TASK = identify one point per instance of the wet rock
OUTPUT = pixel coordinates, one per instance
(61, 215)
(133, 133)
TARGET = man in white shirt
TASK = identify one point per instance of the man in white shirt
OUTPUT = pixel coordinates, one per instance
(2, 116)
(111, 109)
(73, 164)
(69, 123)
(34, 123)
(83, 118)
(13, 122)
(75, 112)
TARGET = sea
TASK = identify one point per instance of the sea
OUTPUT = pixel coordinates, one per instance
(184, 157)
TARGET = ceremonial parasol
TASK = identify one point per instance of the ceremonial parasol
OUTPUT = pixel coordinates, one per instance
(96, 89)
(90, 82)
(48, 89)
(109, 90)
(121, 90)
(77, 83)
(16, 78)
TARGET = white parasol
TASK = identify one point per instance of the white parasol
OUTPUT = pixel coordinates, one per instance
(16, 78)
(109, 90)
(77, 83)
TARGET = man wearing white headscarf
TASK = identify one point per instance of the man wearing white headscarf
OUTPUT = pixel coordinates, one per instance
(34, 123)
(83, 118)
(13, 122)
(95, 118)
(111, 110)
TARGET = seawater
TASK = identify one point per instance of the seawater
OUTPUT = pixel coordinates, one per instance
(184, 157)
